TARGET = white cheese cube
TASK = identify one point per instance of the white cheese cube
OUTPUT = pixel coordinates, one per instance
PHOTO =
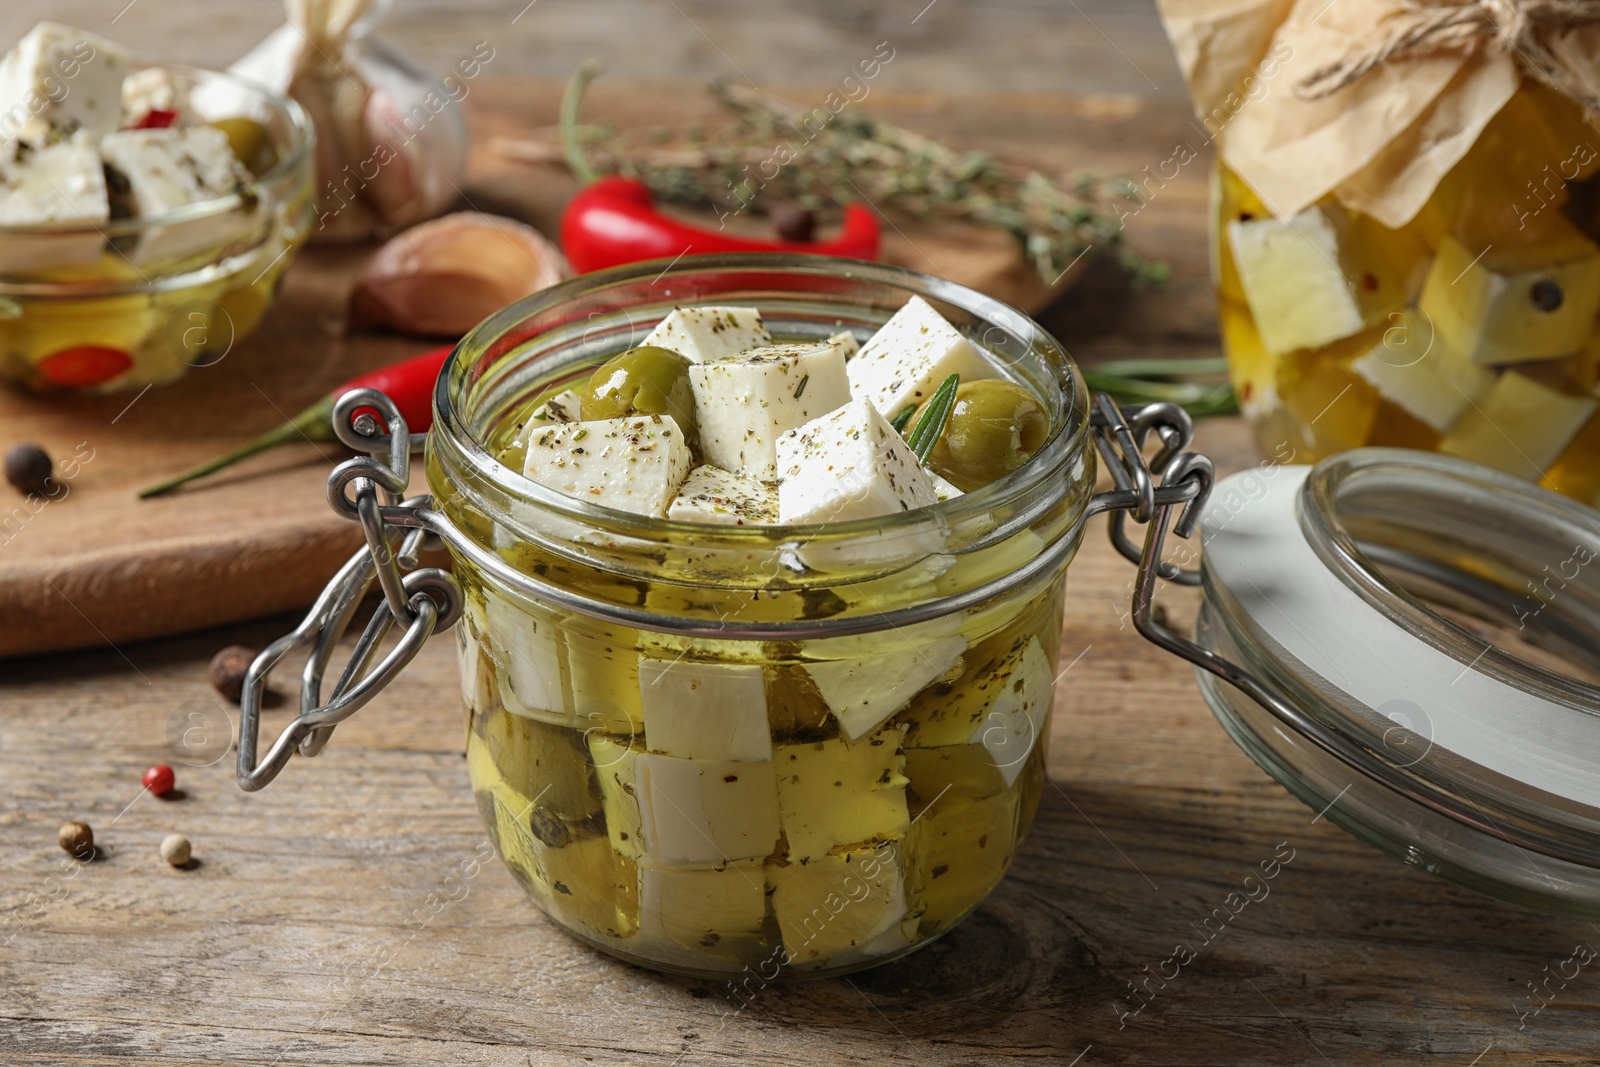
(909, 356)
(942, 489)
(155, 89)
(847, 341)
(864, 692)
(698, 710)
(1290, 272)
(850, 464)
(1017, 718)
(633, 464)
(705, 813)
(615, 766)
(528, 653)
(57, 184)
(1519, 427)
(602, 675)
(746, 402)
(684, 916)
(155, 172)
(838, 794)
(713, 495)
(832, 905)
(702, 333)
(58, 79)
(563, 407)
(1426, 375)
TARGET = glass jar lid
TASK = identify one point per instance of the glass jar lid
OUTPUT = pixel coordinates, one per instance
(1421, 636)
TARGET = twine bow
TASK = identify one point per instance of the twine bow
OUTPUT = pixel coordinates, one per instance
(1463, 27)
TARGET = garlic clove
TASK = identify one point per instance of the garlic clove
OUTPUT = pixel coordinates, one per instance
(443, 277)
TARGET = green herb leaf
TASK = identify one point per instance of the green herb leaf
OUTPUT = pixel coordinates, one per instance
(931, 426)
(900, 420)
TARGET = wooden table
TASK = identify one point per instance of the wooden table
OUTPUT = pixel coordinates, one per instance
(315, 925)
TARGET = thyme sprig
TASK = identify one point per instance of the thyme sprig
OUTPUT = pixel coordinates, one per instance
(773, 151)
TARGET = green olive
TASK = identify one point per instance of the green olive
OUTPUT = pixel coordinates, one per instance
(643, 381)
(995, 427)
(251, 142)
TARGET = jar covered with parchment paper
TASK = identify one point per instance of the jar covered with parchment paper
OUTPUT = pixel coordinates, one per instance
(1405, 237)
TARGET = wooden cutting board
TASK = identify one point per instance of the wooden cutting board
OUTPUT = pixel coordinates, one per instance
(99, 565)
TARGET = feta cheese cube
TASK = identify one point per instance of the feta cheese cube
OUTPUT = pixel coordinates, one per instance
(56, 184)
(61, 80)
(850, 464)
(837, 794)
(1521, 426)
(633, 464)
(847, 341)
(705, 813)
(155, 89)
(863, 691)
(961, 849)
(602, 676)
(615, 765)
(698, 710)
(155, 172)
(563, 407)
(1423, 373)
(1017, 718)
(746, 402)
(527, 652)
(942, 489)
(1515, 303)
(831, 905)
(713, 495)
(1290, 271)
(699, 334)
(909, 356)
(684, 916)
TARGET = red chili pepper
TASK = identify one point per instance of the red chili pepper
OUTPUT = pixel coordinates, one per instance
(408, 383)
(81, 366)
(614, 220)
(156, 119)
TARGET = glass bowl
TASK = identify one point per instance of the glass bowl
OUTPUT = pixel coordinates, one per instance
(101, 308)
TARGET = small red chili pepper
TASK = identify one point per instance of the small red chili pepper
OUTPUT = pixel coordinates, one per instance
(81, 366)
(408, 383)
(156, 119)
(614, 220)
(160, 780)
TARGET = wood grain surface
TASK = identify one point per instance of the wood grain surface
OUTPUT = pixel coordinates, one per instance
(100, 564)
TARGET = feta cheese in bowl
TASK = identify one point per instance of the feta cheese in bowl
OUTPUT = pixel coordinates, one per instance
(779, 700)
(146, 216)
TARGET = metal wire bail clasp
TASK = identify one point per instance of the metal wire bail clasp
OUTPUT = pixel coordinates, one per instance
(366, 489)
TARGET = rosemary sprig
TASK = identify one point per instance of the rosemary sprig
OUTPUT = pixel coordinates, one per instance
(1142, 380)
(774, 151)
(926, 433)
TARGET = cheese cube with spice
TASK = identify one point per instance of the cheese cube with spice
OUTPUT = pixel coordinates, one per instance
(713, 495)
(1290, 272)
(634, 464)
(847, 341)
(1521, 426)
(863, 692)
(746, 402)
(58, 80)
(61, 183)
(563, 407)
(685, 916)
(154, 172)
(1421, 372)
(909, 356)
(156, 89)
(837, 793)
(697, 813)
(615, 765)
(836, 903)
(1017, 718)
(699, 334)
(699, 710)
(849, 464)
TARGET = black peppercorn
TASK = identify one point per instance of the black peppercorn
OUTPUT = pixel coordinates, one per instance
(228, 669)
(1546, 295)
(28, 468)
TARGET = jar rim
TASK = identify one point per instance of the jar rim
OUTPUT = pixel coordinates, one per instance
(499, 336)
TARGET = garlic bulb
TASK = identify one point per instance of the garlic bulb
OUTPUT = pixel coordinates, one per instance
(391, 138)
(443, 277)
